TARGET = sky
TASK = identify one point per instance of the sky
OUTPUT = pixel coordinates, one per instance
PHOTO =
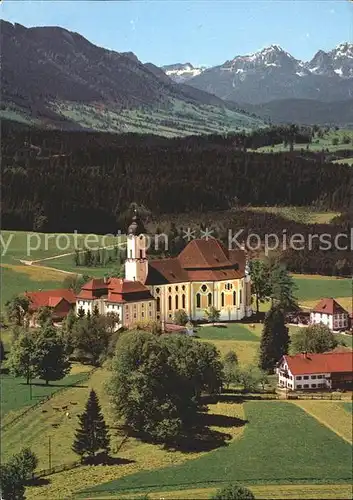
(201, 32)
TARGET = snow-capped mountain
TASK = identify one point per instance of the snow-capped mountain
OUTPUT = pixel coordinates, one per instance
(182, 72)
(272, 73)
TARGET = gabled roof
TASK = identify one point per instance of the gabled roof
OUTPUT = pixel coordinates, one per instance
(50, 298)
(329, 306)
(115, 290)
(328, 362)
(200, 260)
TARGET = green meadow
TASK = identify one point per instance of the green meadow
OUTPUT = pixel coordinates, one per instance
(281, 444)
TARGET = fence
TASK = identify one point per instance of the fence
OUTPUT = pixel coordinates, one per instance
(315, 396)
(45, 399)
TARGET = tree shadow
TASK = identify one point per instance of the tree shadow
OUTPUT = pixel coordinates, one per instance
(102, 459)
(41, 384)
(38, 481)
(218, 420)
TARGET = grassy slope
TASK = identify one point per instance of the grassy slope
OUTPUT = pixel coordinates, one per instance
(179, 119)
(304, 215)
(271, 450)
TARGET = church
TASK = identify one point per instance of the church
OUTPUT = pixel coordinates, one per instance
(204, 274)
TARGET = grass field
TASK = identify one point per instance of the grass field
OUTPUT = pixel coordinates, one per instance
(15, 393)
(315, 287)
(332, 414)
(22, 245)
(344, 161)
(280, 492)
(304, 215)
(318, 144)
(272, 449)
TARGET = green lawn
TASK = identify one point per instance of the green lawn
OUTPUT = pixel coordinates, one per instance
(310, 288)
(14, 282)
(348, 407)
(281, 444)
(232, 331)
(15, 393)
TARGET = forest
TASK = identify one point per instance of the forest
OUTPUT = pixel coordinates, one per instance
(61, 181)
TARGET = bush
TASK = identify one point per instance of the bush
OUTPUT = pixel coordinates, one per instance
(233, 492)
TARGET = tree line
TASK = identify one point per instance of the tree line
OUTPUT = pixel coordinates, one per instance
(85, 181)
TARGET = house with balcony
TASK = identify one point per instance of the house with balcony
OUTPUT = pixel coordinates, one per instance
(305, 371)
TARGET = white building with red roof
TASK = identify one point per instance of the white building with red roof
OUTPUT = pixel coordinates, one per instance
(131, 301)
(329, 370)
(330, 313)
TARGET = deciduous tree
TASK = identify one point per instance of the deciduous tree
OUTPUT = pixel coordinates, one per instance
(314, 339)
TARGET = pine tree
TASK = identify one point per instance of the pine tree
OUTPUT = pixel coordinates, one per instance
(274, 340)
(92, 435)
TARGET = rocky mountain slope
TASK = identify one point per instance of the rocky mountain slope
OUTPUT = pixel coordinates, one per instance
(181, 73)
(273, 73)
(59, 78)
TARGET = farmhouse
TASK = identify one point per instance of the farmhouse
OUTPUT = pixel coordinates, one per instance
(330, 313)
(330, 370)
(61, 301)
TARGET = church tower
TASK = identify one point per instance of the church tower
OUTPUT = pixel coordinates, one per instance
(136, 264)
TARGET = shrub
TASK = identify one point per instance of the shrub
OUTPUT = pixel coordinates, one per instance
(233, 492)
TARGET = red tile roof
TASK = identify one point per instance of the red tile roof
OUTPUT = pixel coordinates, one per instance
(115, 290)
(329, 306)
(50, 298)
(328, 362)
(201, 260)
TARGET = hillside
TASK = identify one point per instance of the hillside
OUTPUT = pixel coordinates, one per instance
(56, 78)
(305, 111)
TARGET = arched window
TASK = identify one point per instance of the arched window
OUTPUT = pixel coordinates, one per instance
(240, 296)
(210, 299)
(234, 298)
(222, 299)
(158, 304)
(204, 288)
(198, 300)
(170, 302)
(183, 301)
(130, 254)
(141, 254)
(176, 302)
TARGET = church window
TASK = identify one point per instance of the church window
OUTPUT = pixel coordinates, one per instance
(234, 298)
(158, 304)
(176, 288)
(176, 302)
(210, 299)
(204, 288)
(130, 254)
(183, 287)
(240, 296)
(142, 306)
(143, 314)
(222, 299)
(157, 290)
(141, 254)
(198, 300)
(169, 302)
(169, 289)
(183, 301)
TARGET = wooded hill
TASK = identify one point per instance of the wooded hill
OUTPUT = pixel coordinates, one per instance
(85, 180)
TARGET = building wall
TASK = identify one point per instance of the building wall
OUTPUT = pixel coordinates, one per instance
(334, 322)
(138, 312)
(230, 297)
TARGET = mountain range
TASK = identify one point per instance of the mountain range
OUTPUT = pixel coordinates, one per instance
(57, 78)
(272, 73)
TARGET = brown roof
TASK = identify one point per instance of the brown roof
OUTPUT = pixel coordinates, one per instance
(328, 362)
(116, 290)
(200, 260)
(50, 298)
(329, 306)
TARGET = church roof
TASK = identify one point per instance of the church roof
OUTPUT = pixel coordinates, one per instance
(115, 290)
(200, 260)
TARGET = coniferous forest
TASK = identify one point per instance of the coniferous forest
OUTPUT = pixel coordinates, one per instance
(61, 181)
